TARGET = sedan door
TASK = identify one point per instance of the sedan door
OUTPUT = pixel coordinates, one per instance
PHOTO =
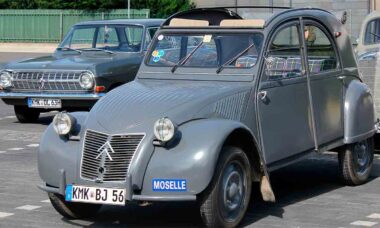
(286, 123)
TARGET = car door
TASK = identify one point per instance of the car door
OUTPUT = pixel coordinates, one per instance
(285, 120)
(326, 82)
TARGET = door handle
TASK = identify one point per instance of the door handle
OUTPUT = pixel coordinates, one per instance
(262, 95)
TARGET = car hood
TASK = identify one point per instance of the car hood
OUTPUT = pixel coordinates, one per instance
(85, 61)
(142, 102)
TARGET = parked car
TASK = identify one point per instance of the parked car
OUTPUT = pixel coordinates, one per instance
(368, 52)
(94, 58)
(218, 103)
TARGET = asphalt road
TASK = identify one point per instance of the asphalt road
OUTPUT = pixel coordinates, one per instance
(309, 193)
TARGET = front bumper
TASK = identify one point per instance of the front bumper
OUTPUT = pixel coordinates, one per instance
(69, 100)
(68, 96)
(130, 194)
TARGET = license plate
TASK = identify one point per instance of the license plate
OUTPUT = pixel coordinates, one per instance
(44, 103)
(83, 194)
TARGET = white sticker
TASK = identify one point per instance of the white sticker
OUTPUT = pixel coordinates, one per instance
(207, 38)
(160, 37)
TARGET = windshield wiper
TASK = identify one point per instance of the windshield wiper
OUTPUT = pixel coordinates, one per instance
(234, 58)
(97, 49)
(69, 49)
(186, 58)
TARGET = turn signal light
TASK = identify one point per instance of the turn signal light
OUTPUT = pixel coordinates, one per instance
(99, 89)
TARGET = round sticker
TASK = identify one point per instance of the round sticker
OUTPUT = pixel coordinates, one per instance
(161, 53)
(160, 37)
(156, 59)
(155, 53)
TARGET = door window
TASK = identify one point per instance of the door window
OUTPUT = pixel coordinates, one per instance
(372, 32)
(321, 52)
(283, 57)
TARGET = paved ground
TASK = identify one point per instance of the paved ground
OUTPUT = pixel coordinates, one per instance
(309, 193)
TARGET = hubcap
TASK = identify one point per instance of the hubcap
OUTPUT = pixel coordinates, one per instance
(362, 157)
(233, 190)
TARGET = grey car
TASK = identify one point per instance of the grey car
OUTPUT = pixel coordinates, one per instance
(218, 103)
(94, 58)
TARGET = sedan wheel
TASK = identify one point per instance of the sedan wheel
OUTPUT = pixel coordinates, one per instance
(356, 162)
(225, 201)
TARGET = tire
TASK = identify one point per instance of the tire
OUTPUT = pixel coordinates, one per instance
(355, 162)
(26, 115)
(73, 210)
(233, 176)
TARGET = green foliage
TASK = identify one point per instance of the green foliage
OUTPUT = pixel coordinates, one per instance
(158, 8)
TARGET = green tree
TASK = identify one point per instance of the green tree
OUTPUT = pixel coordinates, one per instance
(162, 8)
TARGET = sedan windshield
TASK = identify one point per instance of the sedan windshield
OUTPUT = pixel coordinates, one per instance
(237, 50)
(122, 38)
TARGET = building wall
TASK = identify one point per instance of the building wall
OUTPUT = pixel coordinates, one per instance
(357, 9)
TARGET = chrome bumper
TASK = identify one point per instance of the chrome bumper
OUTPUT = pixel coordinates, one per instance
(68, 96)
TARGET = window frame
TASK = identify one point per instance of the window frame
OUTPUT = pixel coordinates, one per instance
(376, 20)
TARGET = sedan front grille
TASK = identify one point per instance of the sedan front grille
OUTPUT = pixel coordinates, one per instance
(47, 81)
(107, 157)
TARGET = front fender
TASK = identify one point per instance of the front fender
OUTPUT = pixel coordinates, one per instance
(194, 158)
(58, 154)
(359, 114)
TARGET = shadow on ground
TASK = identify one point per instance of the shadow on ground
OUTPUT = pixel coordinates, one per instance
(303, 180)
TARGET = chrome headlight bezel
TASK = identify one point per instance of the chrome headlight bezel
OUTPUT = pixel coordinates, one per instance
(6, 75)
(63, 123)
(164, 129)
(89, 82)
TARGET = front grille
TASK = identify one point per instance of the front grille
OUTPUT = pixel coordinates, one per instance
(97, 165)
(49, 81)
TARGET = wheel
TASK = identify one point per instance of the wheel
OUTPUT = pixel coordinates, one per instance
(356, 161)
(26, 115)
(226, 199)
(73, 210)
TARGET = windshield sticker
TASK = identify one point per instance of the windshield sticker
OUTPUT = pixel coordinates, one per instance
(161, 53)
(155, 53)
(156, 59)
(207, 38)
(160, 37)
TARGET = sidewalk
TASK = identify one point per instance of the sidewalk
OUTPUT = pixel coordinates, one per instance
(28, 47)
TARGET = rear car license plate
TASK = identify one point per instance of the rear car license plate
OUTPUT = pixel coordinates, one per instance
(112, 196)
(44, 103)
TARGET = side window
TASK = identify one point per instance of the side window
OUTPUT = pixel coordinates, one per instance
(372, 32)
(321, 53)
(283, 57)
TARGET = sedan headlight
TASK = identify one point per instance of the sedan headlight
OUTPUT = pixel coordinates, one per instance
(164, 129)
(5, 79)
(63, 123)
(87, 80)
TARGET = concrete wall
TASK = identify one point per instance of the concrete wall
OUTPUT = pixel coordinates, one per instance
(357, 9)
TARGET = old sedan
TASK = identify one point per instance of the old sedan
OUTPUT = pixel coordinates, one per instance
(94, 58)
(218, 103)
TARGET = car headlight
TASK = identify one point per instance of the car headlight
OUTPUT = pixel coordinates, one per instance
(87, 80)
(63, 123)
(164, 129)
(5, 79)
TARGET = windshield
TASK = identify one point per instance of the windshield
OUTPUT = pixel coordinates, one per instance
(122, 38)
(236, 50)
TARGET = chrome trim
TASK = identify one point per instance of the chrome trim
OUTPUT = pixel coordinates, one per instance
(72, 96)
(110, 136)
